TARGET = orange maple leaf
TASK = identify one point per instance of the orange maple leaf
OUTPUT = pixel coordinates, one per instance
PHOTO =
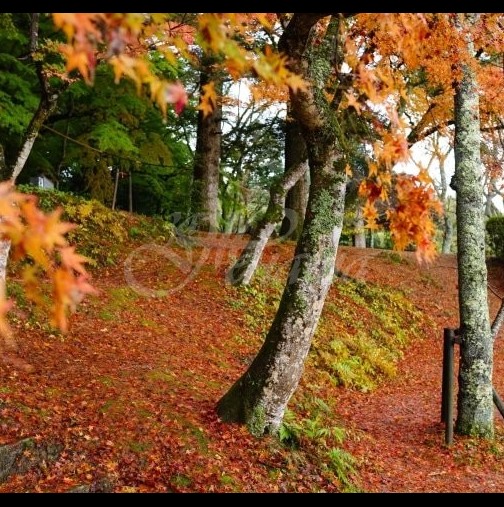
(54, 230)
(77, 59)
(208, 99)
(370, 213)
(352, 101)
(73, 260)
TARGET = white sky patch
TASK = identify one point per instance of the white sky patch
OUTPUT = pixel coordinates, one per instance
(420, 153)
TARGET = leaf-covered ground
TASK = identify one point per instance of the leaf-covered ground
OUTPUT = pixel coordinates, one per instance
(131, 390)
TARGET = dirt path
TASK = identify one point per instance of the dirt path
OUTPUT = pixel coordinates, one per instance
(402, 442)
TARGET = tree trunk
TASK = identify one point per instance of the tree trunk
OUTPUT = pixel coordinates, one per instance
(45, 108)
(297, 196)
(205, 192)
(260, 396)
(116, 185)
(243, 270)
(130, 192)
(295, 206)
(4, 244)
(360, 231)
(447, 234)
(475, 405)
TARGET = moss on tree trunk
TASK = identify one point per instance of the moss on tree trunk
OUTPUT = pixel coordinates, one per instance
(260, 396)
(475, 405)
(243, 270)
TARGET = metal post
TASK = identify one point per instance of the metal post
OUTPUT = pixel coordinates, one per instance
(498, 402)
(130, 193)
(447, 355)
(116, 184)
(447, 387)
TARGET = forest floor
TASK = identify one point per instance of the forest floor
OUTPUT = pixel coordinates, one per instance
(131, 390)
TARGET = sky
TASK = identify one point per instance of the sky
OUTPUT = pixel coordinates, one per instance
(419, 151)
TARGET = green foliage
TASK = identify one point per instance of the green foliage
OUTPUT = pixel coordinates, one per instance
(134, 232)
(362, 332)
(17, 79)
(116, 129)
(100, 233)
(495, 235)
(382, 239)
(112, 136)
(320, 438)
(393, 257)
(292, 432)
(343, 465)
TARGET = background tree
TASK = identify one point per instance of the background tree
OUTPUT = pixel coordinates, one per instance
(438, 154)
(205, 191)
(251, 159)
(297, 197)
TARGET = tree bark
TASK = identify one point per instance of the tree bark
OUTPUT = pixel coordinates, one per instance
(497, 323)
(447, 234)
(47, 105)
(260, 396)
(297, 197)
(205, 192)
(448, 227)
(295, 206)
(4, 244)
(243, 270)
(475, 405)
(360, 231)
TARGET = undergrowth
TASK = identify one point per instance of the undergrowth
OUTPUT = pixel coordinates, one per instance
(101, 233)
(361, 335)
(360, 338)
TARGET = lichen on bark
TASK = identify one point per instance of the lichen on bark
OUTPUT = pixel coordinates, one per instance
(475, 403)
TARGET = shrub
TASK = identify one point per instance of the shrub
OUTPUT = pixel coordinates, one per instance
(495, 231)
(101, 233)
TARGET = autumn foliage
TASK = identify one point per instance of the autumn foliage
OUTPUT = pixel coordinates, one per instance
(40, 239)
(401, 63)
(396, 62)
(123, 40)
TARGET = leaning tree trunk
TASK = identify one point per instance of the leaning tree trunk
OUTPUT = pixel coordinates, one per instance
(242, 271)
(205, 191)
(4, 244)
(297, 197)
(45, 108)
(260, 396)
(295, 209)
(475, 406)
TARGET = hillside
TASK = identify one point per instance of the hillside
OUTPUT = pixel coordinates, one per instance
(125, 402)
